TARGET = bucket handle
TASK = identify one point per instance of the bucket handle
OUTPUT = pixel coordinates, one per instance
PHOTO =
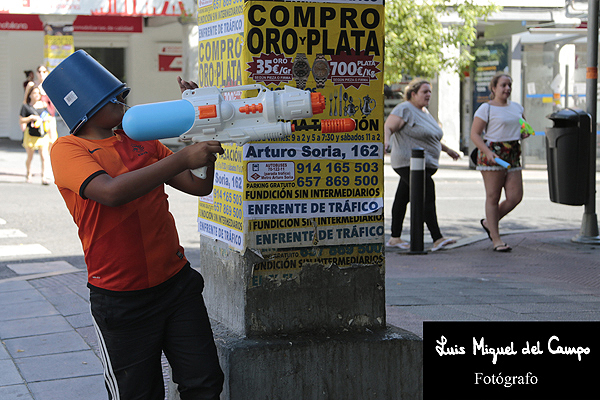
(83, 121)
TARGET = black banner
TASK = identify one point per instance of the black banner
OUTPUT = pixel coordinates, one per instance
(511, 360)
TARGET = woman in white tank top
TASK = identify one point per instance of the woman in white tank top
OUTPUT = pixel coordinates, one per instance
(496, 132)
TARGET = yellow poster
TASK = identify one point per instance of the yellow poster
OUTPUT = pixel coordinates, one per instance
(220, 48)
(315, 187)
(58, 44)
(285, 265)
(220, 43)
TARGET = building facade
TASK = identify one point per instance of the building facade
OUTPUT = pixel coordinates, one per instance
(148, 43)
(145, 44)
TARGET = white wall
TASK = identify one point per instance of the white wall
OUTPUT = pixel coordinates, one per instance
(20, 51)
(147, 83)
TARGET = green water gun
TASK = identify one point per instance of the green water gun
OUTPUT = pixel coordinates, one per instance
(525, 127)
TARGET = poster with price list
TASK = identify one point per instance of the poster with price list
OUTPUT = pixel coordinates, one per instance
(311, 189)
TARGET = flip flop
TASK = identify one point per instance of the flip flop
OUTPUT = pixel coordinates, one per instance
(400, 245)
(443, 244)
(503, 248)
(485, 228)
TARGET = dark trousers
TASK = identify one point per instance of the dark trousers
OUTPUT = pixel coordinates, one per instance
(133, 330)
(403, 197)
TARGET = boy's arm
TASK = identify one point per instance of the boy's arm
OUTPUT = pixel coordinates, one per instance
(191, 184)
(174, 169)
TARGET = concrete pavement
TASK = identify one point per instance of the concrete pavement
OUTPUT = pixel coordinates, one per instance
(48, 347)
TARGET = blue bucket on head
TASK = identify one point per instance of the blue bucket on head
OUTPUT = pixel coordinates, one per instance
(80, 86)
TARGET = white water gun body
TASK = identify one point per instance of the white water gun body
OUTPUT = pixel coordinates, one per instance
(204, 114)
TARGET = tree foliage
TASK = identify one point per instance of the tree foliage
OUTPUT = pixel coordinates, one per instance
(416, 41)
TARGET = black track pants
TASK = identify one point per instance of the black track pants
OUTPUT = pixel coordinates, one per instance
(133, 330)
(403, 197)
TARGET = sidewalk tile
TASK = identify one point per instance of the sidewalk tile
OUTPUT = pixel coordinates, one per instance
(81, 320)
(27, 310)
(33, 326)
(88, 388)
(580, 298)
(20, 296)
(9, 375)
(53, 343)
(88, 333)
(490, 313)
(66, 303)
(513, 299)
(59, 366)
(549, 308)
(19, 392)
(566, 316)
(3, 353)
(41, 267)
(441, 313)
(12, 286)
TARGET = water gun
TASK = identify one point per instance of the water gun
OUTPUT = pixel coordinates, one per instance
(525, 127)
(204, 114)
(501, 162)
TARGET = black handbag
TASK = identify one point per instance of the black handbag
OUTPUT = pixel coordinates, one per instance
(474, 155)
(37, 131)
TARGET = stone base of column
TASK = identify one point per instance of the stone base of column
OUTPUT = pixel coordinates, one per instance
(386, 364)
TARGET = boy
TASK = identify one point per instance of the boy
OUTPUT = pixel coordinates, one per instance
(145, 298)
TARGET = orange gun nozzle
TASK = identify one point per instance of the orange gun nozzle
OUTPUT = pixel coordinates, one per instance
(329, 126)
(318, 102)
(338, 125)
(251, 108)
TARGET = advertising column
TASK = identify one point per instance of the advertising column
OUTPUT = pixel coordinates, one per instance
(292, 235)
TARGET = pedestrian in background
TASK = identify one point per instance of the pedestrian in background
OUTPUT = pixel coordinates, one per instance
(410, 125)
(496, 132)
(28, 79)
(39, 132)
(41, 73)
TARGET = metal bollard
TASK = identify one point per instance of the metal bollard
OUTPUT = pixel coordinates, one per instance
(417, 200)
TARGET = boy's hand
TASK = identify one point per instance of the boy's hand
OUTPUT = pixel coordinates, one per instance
(185, 85)
(203, 154)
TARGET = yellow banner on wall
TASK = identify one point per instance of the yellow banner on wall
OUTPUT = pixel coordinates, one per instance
(58, 44)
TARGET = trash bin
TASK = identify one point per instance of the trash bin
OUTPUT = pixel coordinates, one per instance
(567, 156)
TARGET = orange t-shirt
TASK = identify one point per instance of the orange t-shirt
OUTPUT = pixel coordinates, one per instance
(130, 247)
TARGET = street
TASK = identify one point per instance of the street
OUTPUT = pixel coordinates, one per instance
(36, 225)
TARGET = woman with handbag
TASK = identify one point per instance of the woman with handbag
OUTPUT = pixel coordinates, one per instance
(410, 125)
(496, 132)
(40, 131)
